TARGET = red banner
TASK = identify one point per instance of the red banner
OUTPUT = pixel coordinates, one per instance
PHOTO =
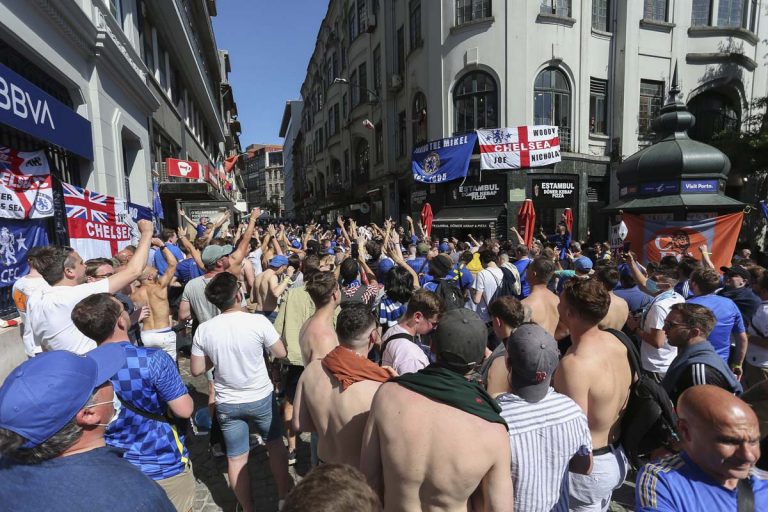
(652, 240)
(183, 169)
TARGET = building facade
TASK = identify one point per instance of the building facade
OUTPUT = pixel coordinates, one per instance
(264, 179)
(289, 128)
(386, 76)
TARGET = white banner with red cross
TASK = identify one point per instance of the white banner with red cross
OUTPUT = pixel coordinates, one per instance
(519, 147)
(95, 222)
(25, 185)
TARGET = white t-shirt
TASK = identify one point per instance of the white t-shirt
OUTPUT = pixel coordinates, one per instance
(255, 259)
(654, 359)
(235, 343)
(401, 354)
(23, 289)
(49, 315)
(758, 356)
(487, 281)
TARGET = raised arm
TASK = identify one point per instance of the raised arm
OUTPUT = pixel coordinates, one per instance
(167, 277)
(136, 265)
(705, 254)
(237, 256)
(191, 248)
(220, 220)
(183, 216)
(394, 253)
(516, 235)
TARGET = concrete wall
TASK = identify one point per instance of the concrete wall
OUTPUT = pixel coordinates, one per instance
(12, 350)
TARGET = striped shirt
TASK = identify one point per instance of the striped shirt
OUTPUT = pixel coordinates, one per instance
(543, 437)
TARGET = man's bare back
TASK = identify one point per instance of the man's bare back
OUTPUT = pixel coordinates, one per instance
(316, 338)
(595, 373)
(262, 297)
(337, 416)
(419, 454)
(617, 314)
(543, 306)
(156, 297)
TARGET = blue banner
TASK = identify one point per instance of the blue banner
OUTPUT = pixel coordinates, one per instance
(29, 109)
(700, 186)
(157, 205)
(16, 238)
(443, 160)
(139, 212)
(660, 188)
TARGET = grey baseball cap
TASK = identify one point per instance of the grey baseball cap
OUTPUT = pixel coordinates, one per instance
(533, 355)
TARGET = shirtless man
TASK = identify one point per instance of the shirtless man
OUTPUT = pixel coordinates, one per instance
(541, 302)
(334, 394)
(153, 292)
(618, 311)
(270, 284)
(317, 336)
(439, 453)
(595, 373)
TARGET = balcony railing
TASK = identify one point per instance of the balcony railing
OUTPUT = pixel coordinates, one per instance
(565, 138)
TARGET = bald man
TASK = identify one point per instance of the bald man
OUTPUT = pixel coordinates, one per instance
(720, 443)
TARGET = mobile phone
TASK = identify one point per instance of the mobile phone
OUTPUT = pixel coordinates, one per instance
(627, 246)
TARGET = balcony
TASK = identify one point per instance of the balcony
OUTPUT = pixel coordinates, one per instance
(565, 138)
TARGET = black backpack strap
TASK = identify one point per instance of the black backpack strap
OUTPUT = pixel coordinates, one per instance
(745, 496)
(142, 412)
(633, 355)
(399, 336)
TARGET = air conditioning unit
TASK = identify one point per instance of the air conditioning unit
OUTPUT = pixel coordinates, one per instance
(371, 23)
(395, 82)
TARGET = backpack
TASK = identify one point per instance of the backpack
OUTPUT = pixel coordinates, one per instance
(507, 287)
(412, 339)
(649, 421)
(450, 294)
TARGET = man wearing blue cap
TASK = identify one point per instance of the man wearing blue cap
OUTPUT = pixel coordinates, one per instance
(270, 284)
(53, 412)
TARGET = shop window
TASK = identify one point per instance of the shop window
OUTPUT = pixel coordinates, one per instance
(701, 11)
(552, 103)
(600, 18)
(655, 10)
(419, 119)
(475, 102)
(556, 7)
(651, 98)
(472, 10)
(598, 106)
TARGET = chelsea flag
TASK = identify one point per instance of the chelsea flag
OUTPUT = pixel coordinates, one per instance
(443, 160)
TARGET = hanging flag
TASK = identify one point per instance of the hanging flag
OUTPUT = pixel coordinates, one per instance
(16, 238)
(519, 147)
(96, 222)
(25, 185)
(229, 163)
(443, 160)
(157, 205)
(652, 240)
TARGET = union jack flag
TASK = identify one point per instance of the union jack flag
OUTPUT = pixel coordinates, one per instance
(87, 205)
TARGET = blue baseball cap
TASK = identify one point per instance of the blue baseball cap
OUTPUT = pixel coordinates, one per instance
(443, 247)
(41, 395)
(385, 265)
(278, 261)
(296, 244)
(582, 264)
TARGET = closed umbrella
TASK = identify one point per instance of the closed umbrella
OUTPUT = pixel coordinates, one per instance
(526, 220)
(426, 218)
(568, 218)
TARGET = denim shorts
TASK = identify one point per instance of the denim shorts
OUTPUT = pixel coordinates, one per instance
(235, 418)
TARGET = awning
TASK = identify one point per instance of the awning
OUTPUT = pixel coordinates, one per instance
(699, 202)
(467, 217)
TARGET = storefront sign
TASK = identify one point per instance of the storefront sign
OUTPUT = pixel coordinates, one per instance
(519, 147)
(490, 191)
(443, 160)
(31, 110)
(25, 185)
(659, 188)
(559, 191)
(183, 169)
(700, 186)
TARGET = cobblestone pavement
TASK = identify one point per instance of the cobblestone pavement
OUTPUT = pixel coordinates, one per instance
(213, 494)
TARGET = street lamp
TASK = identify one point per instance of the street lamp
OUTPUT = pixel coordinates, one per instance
(344, 81)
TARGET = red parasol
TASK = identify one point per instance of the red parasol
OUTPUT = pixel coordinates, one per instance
(526, 221)
(568, 218)
(426, 218)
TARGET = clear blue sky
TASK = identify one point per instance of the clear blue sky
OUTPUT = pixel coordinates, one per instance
(269, 43)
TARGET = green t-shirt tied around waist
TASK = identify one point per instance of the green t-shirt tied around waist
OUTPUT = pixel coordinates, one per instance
(450, 388)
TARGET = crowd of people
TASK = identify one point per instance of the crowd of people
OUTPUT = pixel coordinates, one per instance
(432, 374)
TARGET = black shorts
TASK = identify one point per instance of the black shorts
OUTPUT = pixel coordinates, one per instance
(290, 380)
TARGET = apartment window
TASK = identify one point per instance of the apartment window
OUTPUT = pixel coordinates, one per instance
(334, 121)
(362, 16)
(655, 10)
(362, 73)
(344, 106)
(471, 10)
(419, 119)
(600, 17)
(362, 162)
(333, 68)
(701, 11)
(352, 21)
(557, 7)
(375, 7)
(162, 57)
(377, 69)
(116, 8)
(401, 135)
(753, 15)
(475, 102)
(344, 59)
(552, 103)
(651, 97)
(415, 24)
(598, 106)
(354, 89)
(379, 143)
(400, 51)
(346, 166)
(730, 13)
(149, 54)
